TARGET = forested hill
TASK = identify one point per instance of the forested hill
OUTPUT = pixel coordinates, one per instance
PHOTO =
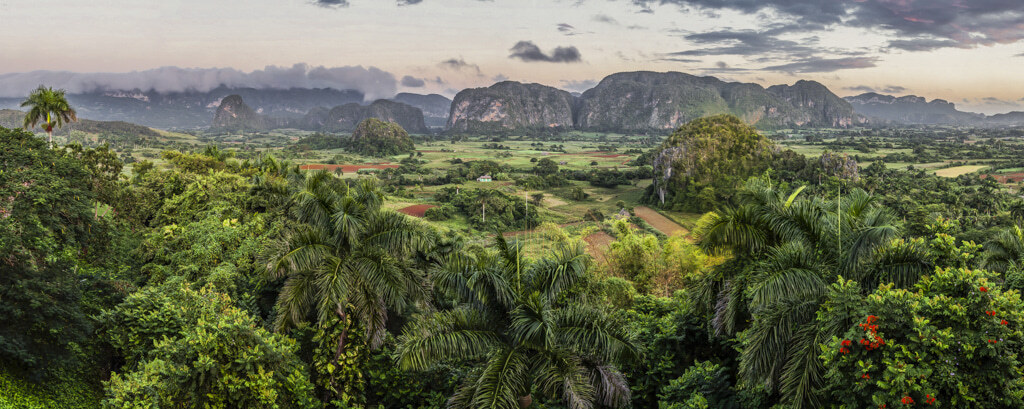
(10, 118)
(646, 101)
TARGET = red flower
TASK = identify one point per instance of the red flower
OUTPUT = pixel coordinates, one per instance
(992, 341)
(907, 400)
(983, 289)
(929, 399)
(1004, 322)
(844, 350)
(865, 376)
(871, 319)
(846, 343)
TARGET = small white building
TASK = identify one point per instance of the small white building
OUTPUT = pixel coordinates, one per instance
(484, 178)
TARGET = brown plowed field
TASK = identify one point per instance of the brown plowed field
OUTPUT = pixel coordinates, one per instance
(416, 210)
(662, 223)
(598, 244)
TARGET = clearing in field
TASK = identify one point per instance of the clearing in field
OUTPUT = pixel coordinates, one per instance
(662, 223)
(958, 170)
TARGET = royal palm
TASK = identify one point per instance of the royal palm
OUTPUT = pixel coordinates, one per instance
(50, 107)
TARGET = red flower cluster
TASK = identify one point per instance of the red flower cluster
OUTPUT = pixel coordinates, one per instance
(869, 326)
(907, 400)
(991, 313)
(929, 399)
(1004, 322)
(992, 341)
(847, 343)
(844, 351)
(983, 289)
(865, 376)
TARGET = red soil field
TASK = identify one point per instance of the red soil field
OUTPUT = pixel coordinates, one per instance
(1006, 177)
(347, 168)
(416, 210)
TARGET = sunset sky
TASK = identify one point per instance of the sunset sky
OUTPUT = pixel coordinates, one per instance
(965, 51)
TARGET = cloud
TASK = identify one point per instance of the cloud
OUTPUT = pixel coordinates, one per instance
(578, 85)
(960, 23)
(824, 65)
(529, 52)
(604, 18)
(331, 3)
(765, 44)
(861, 88)
(459, 64)
(373, 82)
(721, 65)
(888, 89)
(683, 60)
(412, 82)
(922, 44)
(408, 2)
(566, 29)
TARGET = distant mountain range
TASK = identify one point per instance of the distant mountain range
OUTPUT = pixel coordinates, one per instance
(912, 110)
(623, 102)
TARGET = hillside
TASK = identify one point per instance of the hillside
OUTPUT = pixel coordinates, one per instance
(911, 110)
(642, 101)
(194, 109)
(233, 114)
(10, 118)
(345, 118)
(511, 105)
(435, 107)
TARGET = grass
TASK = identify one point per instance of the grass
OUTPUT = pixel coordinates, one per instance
(959, 170)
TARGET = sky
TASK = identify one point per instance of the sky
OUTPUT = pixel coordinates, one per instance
(969, 52)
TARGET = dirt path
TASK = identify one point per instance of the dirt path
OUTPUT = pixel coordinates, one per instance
(662, 223)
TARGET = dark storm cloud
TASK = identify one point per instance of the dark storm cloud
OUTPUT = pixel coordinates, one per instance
(764, 43)
(530, 52)
(331, 3)
(412, 82)
(824, 65)
(963, 23)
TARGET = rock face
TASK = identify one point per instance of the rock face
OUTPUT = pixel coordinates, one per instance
(234, 115)
(1010, 118)
(636, 101)
(346, 117)
(435, 107)
(509, 106)
(823, 108)
(911, 110)
(374, 137)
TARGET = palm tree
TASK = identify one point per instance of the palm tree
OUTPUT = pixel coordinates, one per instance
(50, 107)
(786, 251)
(350, 259)
(1005, 251)
(523, 330)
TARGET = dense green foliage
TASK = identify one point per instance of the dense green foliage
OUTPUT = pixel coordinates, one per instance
(224, 278)
(374, 137)
(701, 163)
